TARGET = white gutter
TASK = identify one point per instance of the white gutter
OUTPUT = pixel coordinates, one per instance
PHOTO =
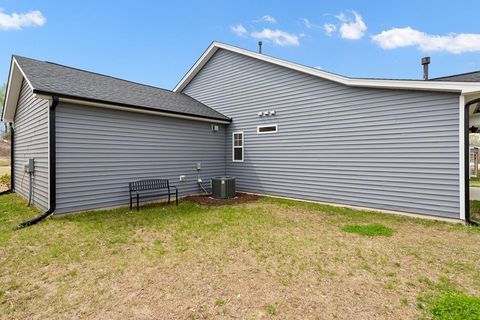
(137, 110)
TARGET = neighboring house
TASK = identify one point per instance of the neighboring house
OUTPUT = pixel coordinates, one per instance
(284, 129)
(462, 77)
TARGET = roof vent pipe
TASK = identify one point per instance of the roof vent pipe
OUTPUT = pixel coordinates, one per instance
(260, 47)
(425, 63)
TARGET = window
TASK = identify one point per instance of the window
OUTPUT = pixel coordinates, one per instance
(237, 154)
(272, 128)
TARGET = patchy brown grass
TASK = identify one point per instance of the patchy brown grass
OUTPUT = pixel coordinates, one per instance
(264, 259)
(4, 169)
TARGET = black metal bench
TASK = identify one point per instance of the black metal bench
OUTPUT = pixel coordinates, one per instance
(148, 189)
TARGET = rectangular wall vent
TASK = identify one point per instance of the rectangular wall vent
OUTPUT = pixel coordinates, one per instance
(272, 128)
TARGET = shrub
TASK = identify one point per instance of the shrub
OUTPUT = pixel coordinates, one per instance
(369, 229)
(5, 180)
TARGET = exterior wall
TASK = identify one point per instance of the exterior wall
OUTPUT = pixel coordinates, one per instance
(31, 141)
(384, 149)
(100, 150)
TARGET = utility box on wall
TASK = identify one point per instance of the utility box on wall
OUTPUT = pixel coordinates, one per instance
(29, 166)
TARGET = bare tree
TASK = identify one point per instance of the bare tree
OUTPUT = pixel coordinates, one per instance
(2, 101)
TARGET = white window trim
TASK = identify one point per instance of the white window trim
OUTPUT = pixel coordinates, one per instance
(233, 146)
(267, 125)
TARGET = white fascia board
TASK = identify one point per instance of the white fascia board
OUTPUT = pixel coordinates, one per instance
(443, 86)
(14, 87)
(207, 54)
(23, 73)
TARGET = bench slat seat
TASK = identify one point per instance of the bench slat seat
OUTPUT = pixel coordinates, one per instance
(151, 188)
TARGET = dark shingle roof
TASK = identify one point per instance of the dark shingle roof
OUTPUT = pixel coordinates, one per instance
(462, 77)
(52, 78)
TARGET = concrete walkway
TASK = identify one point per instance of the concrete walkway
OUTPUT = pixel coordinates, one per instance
(474, 193)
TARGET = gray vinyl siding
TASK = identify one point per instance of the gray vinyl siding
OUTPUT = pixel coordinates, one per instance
(386, 149)
(31, 141)
(100, 150)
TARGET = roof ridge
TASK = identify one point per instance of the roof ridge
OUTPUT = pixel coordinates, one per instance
(95, 73)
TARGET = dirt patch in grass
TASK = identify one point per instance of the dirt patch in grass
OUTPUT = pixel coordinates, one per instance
(206, 200)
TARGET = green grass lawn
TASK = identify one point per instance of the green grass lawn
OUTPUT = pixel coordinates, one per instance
(475, 210)
(474, 182)
(264, 259)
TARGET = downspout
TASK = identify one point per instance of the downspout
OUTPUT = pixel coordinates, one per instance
(12, 161)
(466, 151)
(53, 169)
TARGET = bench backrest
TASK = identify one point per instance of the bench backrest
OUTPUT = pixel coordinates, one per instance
(149, 184)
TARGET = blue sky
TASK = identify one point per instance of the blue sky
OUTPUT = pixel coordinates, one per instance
(156, 42)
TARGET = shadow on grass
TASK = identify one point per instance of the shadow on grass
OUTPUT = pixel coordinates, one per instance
(341, 215)
(161, 215)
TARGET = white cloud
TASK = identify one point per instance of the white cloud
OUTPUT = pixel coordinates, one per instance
(279, 37)
(239, 30)
(349, 29)
(309, 24)
(405, 37)
(342, 17)
(268, 18)
(329, 28)
(318, 67)
(21, 20)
